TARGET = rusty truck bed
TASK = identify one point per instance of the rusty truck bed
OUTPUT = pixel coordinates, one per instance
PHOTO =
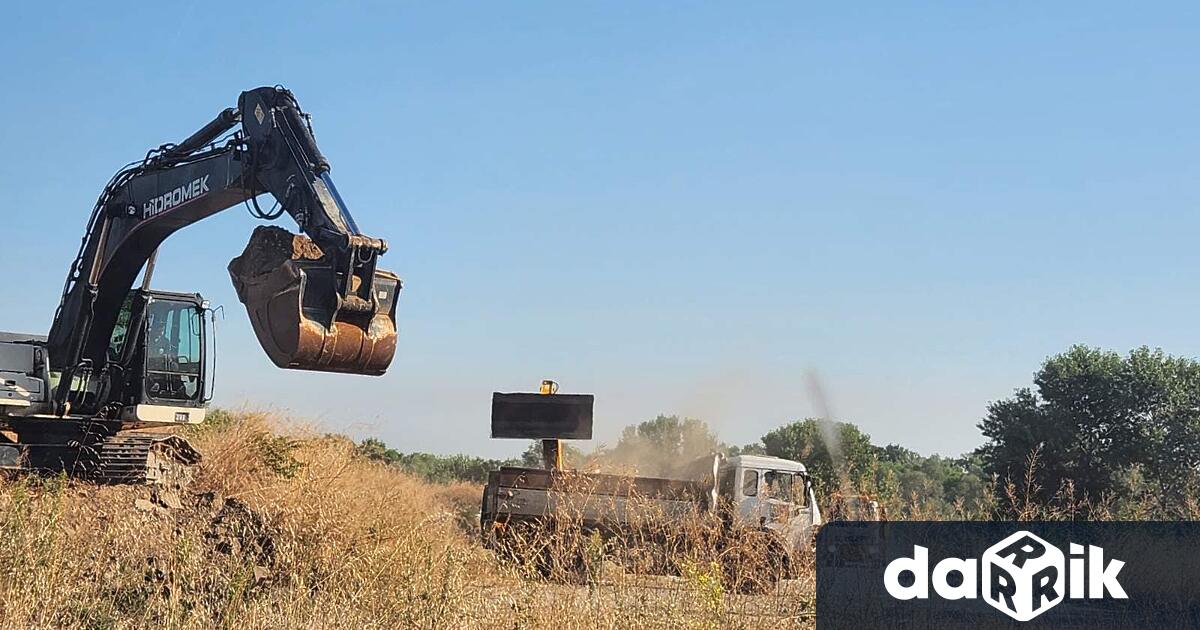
(515, 493)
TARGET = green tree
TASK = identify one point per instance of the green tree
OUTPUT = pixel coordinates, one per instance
(433, 468)
(531, 457)
(805, 441)
(896, 454)
(375, 449)
(902, 479)
(664, 445)
(1094, 416)
(929, 484)
(755, 448)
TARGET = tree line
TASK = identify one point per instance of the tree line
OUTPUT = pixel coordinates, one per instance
(1097, 430)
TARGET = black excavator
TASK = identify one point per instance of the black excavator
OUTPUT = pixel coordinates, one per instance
(122, 364)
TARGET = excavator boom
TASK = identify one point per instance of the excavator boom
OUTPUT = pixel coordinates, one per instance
(122, 363)
(329, 308)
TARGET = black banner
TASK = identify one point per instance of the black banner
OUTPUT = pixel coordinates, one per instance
(981, 575)
(541, 416)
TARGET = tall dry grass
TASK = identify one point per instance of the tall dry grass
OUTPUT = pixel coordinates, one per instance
(285, 528)
(669, 564)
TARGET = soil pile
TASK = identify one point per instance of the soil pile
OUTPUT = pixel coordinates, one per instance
(270, 247)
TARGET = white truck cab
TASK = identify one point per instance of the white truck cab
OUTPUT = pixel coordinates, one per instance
(770, 492)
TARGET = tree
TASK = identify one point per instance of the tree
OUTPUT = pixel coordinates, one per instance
(664, 445)
(931, 484)
(531, 457)
(896, 454)
(1094, 417)
(906, 482)
(430, 467)
(375, 449)
(755, 448)
(841, 468)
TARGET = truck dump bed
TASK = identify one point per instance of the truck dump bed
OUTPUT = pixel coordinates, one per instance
(594, 499)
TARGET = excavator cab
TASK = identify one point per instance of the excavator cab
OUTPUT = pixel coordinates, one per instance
(173, 356)
(157, 359)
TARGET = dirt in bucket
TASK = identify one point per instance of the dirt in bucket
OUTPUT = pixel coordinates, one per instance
(270, 247)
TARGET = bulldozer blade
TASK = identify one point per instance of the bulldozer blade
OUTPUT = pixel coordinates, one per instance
(289, 293)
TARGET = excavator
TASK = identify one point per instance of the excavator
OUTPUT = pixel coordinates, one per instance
(97, 398)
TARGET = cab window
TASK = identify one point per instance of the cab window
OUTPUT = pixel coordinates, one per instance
(750, 483)
(800, 491)
(173, 361)
(120, 333)
(779, 485)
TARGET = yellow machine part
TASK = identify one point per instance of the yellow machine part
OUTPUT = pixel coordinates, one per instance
(551, 448)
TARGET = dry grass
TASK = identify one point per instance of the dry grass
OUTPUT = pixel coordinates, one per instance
(658, 570)
(298, 532)
(284, 528)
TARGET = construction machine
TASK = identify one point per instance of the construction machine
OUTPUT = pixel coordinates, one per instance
(122, 363)
(751, 499)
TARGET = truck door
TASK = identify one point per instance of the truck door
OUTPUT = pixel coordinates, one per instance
(749, 510)
(792, 511)
(780, 499)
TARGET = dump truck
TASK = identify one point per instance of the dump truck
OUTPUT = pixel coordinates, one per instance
(123, 365)
(740, 498)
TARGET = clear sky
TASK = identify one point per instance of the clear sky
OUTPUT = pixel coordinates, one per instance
(681, 208)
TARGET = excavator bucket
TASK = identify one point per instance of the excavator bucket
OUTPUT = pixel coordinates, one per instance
(289, 290)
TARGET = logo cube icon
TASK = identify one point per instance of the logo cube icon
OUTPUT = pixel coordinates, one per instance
(1023, 576)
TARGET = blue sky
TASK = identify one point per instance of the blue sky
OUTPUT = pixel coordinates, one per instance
(683, 209)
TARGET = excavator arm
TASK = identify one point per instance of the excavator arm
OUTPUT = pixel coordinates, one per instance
(329, 309)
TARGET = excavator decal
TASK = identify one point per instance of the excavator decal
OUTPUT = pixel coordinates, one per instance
(195, 188)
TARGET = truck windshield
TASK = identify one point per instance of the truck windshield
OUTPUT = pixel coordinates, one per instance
(173, 362)
(788, 487)
(779, 485)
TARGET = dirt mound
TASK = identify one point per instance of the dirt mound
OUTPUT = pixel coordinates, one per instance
(237, 529)
(270, 247)
(230, 526)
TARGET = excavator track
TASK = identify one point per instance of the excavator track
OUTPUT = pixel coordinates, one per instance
(140, 458)
(123, 458)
